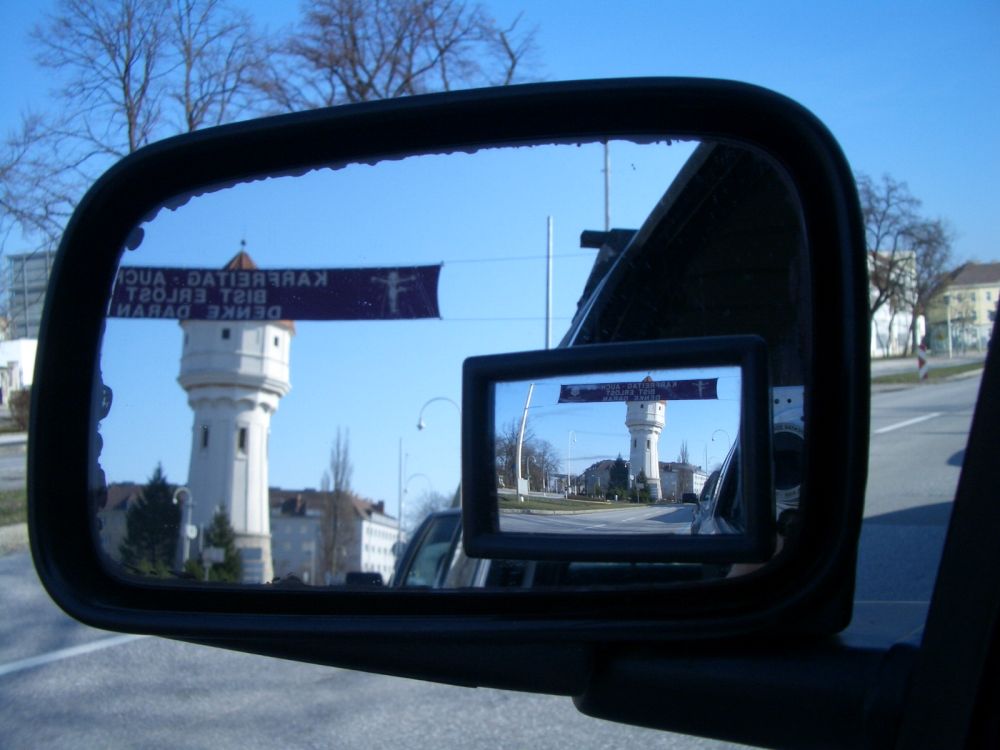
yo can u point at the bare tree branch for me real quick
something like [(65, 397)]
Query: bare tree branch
[(39, 184), (908, 255), (219, 57), (110, 55), (359, 50), (931, 241), (336, 527), (890, 214)]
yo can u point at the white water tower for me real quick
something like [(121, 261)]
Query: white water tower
[(235, 372), (645, 421)]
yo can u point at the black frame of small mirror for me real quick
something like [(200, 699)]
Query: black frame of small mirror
[(482, 535), (807, 589)]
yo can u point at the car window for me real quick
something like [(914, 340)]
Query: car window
[(433, 551)]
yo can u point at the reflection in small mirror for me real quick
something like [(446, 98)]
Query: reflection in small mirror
[(285, 355), (627, 455)]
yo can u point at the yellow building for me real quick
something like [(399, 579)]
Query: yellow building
[(965, 310)]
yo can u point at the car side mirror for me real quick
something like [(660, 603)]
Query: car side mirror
[(743, 223), (630, 395)]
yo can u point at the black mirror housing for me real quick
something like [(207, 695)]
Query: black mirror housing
[(481, 514), (807, 591)]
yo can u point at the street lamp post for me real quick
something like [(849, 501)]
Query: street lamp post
[(406, 491), (420, 418), (182, 496), (728, 441), (420, 426), (569, 460), (399, 495), (947, 306)]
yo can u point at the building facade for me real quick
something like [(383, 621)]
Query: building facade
[(892, 323), (17, 366), (960, 317), (362, 536), (27, 282), (679, 479)]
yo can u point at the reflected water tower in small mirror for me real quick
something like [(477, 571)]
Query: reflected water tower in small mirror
[(234, 372), (645, 421)]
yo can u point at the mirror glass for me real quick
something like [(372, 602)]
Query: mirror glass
[(589, 450), (283, 357)]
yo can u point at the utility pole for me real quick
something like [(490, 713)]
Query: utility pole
[(607, 187), (522, 484), (548, 289), (947, 304)]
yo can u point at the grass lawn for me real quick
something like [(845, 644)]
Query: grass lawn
[(13, 507), (935, 373)]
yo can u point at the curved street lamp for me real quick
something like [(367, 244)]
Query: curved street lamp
[(728, 441), (569, 459), (420, 418)]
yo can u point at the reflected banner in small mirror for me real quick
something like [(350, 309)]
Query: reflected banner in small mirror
[(285, 354)]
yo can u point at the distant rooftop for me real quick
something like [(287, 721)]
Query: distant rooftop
[(243, 262), (240, 262), (977, 273)]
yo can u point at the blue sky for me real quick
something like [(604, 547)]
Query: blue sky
[(909, 89), (597, 430), (484, 216)]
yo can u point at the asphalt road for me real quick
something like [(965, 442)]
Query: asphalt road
[(12, 465), (656, 519), (63, 685), (918, 438), (139, 692)]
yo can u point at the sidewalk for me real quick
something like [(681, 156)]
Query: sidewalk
[(13, 538), (897, 365)]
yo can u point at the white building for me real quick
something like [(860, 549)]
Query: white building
[(892, 322), (235, 373), (678, 479), (17, 366), (27, 282), (364, 540), (645, 421)]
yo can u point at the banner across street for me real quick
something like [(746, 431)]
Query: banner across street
[(276, 294), (647, 390)]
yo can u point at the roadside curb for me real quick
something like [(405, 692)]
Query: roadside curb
[(889, 387), (968, 374), (13, 438), (13, 538)]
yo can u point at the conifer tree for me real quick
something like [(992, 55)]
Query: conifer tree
[(219, 534), (151, 528)]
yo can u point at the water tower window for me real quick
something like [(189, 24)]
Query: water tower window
[(242, 440), (276, 341), (204, 436), (225, 333)]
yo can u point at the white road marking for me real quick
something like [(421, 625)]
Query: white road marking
[(907, 423), (66, 653)]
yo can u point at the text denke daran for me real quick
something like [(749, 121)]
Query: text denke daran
[(210, 295)]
